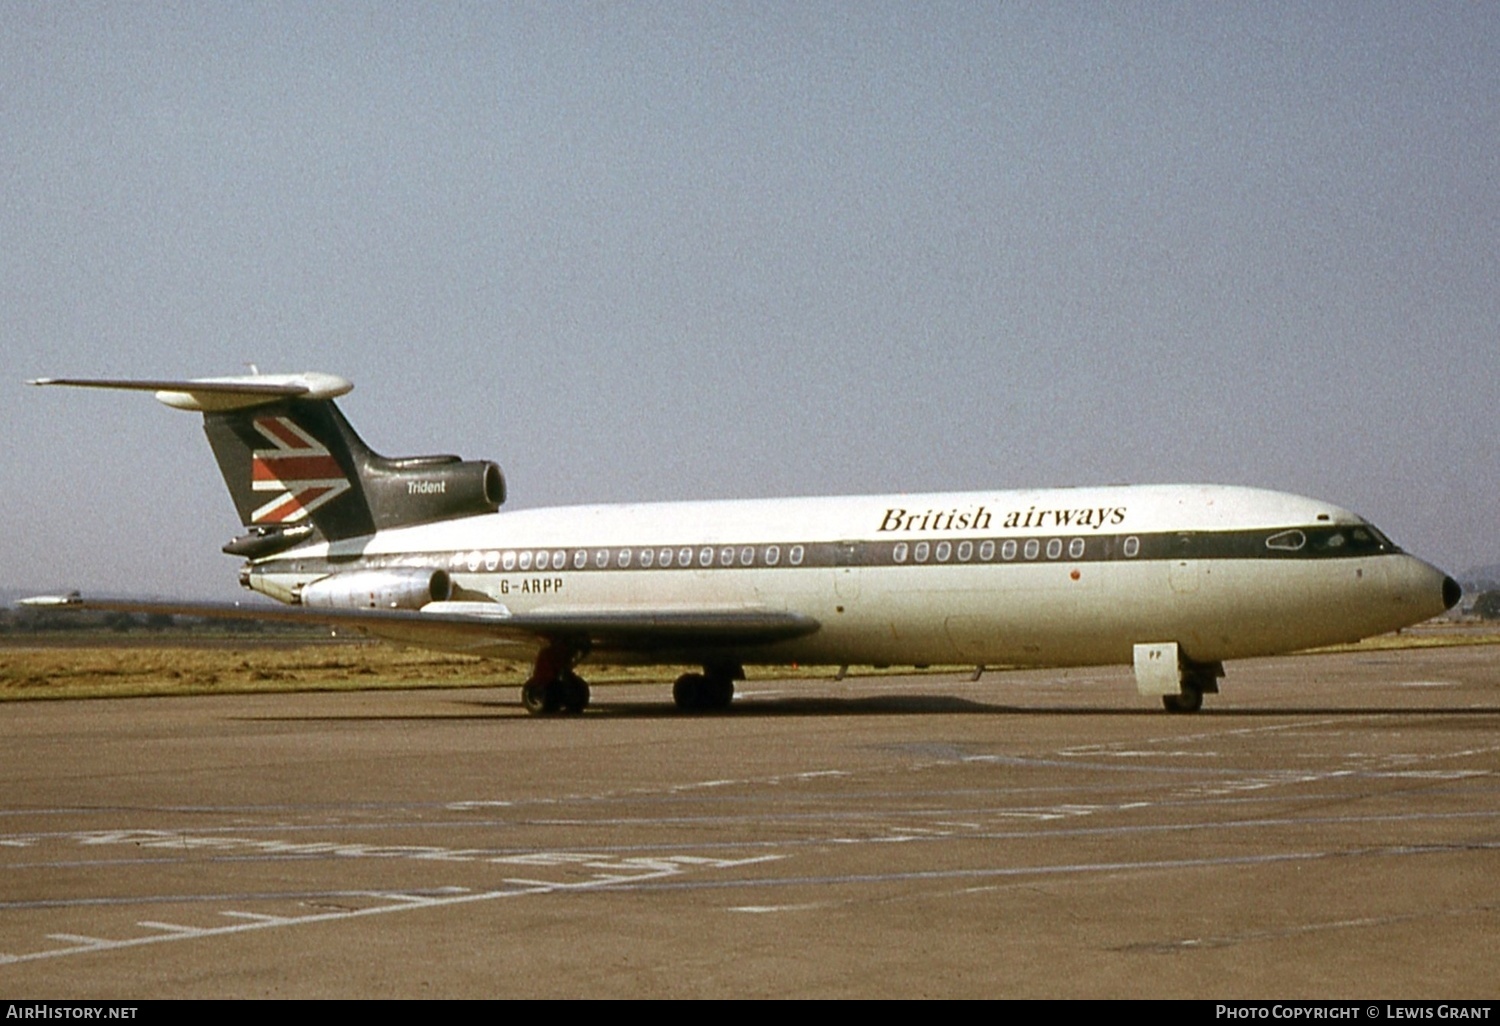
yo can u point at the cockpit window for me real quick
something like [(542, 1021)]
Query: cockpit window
[(1360, 539), (1286, 541), (1334, 540)]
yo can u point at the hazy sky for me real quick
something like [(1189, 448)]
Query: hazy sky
[(637, 251)]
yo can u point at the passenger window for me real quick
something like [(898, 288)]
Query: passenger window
[(747, 556), (524, 561), (795, 556), (965, 551), (684, 557), (601, 558), (705, 556), (1132, 547), (726, 557), (559, 559), (1032, 548), (647, 556), (1075, 548), (1008, 550), (987, 550), (1054, 548), (898, 553), (507, 561), (664, 557), (773, 555), (920, 552), (624, 558), (942, 552), (580, 559)]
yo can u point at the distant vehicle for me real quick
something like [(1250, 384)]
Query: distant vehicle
[(1170, 579)]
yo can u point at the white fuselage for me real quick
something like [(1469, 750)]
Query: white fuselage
[(1051, 577)]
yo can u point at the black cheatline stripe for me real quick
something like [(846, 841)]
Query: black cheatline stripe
[(1296, 543)]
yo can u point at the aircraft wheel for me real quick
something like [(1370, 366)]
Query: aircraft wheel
[(541, 698), (1190, 700), (688, 692), (718, 692), (575, 692)]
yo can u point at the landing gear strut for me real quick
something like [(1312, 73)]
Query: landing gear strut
[(554, 687), (711, 690)]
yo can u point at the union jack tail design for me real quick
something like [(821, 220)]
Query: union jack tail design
[(298, 468)]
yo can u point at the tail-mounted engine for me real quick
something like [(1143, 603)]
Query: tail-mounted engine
[(421, 489), (377, 589)]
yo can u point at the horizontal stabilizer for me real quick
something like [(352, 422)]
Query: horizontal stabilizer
[(206, 395)]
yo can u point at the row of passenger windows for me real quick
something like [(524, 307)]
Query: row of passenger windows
[(602, 559), (686, 557), (1031, 548), (1330, 541)]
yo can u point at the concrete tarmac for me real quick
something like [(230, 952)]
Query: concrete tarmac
[(1327, 827)]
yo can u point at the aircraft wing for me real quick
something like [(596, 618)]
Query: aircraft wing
[(482, 624)]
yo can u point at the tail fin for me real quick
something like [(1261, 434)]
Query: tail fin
[(295, 466)]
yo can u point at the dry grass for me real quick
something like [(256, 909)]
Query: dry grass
[(1435, 634), (100, 670), (94, 668)]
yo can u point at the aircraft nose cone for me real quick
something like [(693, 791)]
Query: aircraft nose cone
[(1451, 593)]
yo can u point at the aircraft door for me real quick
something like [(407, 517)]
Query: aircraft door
[(848, 557), (1184, 569)]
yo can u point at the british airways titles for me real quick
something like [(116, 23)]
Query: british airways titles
[(978, 518)]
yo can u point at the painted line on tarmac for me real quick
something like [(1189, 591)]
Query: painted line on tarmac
[(388, 902), (942, 824), (1068, 869)]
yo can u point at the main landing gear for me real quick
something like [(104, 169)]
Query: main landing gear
[(709, 691), (554, 687)]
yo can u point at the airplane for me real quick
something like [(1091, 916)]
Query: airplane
[(1171, 580)]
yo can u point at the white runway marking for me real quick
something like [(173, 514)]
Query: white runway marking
[(149, 924), (256, 917), (396, 903)]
